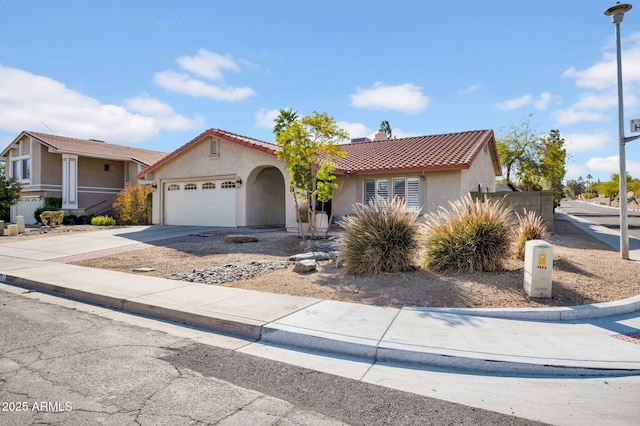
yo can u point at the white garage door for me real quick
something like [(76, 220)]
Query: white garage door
[(200, 203), (26, 206)]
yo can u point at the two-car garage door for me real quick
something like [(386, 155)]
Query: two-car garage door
[(200, 203)]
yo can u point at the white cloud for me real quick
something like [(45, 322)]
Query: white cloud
[(265, 119), (583, 142), (28, 100), (597, 101), (471, 89), (514, 103), (603, 74), (574, 171), (543, 101), (611, 165), (355, 130), (184, 83), (571, 115), (208, 64), (601, 81), (405, 97), (399, 133), (165, 116)]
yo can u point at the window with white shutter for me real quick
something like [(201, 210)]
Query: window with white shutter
[(369, 190), (413, 194), (382, 188)]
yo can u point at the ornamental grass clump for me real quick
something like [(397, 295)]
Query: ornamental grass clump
[(471, 235), (381, 237), (531, 227)]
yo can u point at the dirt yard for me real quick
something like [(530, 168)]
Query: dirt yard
[(585, 271)]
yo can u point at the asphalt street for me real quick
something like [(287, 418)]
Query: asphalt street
[(603, 216), (89, 367)]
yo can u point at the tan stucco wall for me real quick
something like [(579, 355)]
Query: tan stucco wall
[(91, 173), (481, 172), (51, 166), (233, 160)]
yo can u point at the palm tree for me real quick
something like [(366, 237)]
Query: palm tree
[(285, 117), (385, 128)]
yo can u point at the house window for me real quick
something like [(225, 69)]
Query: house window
[(409, 190), (382, 188), (214, 148), (369, 190), (228, 184), (26, 168), (190, 187), (107, 167), (373, 188), (15, 170), (173, 187), (209, 185)]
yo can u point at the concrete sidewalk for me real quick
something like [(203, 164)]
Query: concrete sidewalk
[(601, 339)]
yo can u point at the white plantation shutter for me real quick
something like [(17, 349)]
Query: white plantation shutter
[(382, 189), (369, 190), (413, 194), (399, 189)]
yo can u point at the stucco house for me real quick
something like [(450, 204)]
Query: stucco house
[(224, 179), (85, 174)]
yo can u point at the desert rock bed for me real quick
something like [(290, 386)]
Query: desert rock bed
[(586, 271)]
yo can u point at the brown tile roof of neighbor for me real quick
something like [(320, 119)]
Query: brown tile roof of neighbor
[(451, 151), (91, 147), (267, 147)]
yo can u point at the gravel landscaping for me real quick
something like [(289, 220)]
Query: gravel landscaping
[(586, 271)]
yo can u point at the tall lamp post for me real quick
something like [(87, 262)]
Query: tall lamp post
[(617, 14)]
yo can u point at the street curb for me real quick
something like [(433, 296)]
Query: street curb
[(240, 328), (565, 313), (270, 333)]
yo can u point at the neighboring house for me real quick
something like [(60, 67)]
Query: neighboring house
[(85, 174), (427, 171), (223, 179)]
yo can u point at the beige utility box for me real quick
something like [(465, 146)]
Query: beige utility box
[(538, 268)]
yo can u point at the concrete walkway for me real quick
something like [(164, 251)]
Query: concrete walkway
[(601, 339)]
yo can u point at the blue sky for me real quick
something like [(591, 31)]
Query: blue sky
[(155, 74)]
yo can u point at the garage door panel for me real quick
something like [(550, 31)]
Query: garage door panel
[(26, 207), (206, 203)]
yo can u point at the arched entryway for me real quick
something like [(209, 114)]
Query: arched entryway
[(266, 194)]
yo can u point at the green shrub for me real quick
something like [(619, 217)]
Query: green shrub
[(531, 227), (53, 202), (380, 237), (470, 236), (40, 210), (52, 217), (303, 211), (103, 221), (71, 219)]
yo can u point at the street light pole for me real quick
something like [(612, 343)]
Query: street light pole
[(617, 14)]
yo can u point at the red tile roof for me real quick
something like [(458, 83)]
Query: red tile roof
[(90, 147), (267, 147), (451, 151)]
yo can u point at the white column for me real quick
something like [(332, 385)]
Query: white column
[(69, 181)]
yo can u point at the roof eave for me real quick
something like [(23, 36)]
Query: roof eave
[(197, 140)]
